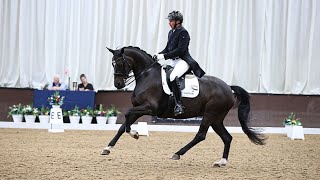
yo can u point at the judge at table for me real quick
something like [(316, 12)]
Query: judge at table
[(84, 86), (56, 84)]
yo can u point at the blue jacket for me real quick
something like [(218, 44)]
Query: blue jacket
[(178, 47)]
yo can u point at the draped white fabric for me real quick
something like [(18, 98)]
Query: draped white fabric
[(265, 46)]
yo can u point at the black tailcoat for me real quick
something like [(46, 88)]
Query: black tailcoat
[(177, 47)]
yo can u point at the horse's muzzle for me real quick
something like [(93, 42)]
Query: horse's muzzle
[(119, 85)]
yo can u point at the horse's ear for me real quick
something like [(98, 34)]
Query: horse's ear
[(112, 51), (122, 51)]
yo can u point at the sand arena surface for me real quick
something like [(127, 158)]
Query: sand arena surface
[(37, 154)]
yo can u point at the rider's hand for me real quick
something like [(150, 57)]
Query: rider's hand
[(160, 56)]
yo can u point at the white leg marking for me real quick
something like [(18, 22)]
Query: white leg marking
[(108, 148), (133, 133), (221, 163)]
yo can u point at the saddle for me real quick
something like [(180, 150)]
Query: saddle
[(168, 69), (189, 83)]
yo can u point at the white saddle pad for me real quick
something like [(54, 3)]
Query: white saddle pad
[(191, 89)]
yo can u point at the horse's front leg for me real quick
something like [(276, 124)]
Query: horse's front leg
[(131, 116)]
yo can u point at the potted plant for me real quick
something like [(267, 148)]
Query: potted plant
[(16, 113), (101, 115), (44, 115), (56, 100), (30, 113), (74, 115), (292, 125), (113, 112), (86, 115)]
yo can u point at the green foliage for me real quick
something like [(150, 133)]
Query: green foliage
[(100, 112), (29, 110), (87, 112), (74, 112), (292, 120), (55, 99), (44, 111), (113, 111), (15, 110)]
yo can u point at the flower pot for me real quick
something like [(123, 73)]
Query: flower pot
[(44, 119), (101, 120), (17, 118), (30, 118), (112, 120), (74, 119), (297, 133), (55, 106), (86, 119), (288, 129)]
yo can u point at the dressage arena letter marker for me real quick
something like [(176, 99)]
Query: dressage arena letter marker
[(56, 118), (142, 129)]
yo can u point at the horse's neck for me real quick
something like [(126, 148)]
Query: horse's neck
[(150, 72), (140, 62), (144, 67)]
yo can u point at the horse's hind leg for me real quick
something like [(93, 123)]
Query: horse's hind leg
[(200, 136), (219, 128)]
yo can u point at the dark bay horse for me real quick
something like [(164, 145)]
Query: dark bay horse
[(213, 102)]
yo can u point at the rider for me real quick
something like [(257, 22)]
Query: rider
[(177, 51)]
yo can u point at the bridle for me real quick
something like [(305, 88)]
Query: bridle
[(126, 74)]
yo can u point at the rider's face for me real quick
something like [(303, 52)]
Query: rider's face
[(172, 23)]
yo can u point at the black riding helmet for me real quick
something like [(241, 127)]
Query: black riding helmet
[(175, 15)]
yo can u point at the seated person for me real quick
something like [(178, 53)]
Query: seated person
[(57, 85), (84, 86)]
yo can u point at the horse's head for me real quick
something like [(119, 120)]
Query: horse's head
[(122, 67)]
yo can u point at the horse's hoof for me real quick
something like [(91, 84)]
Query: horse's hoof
[(221, 163), (105, 152), (218, 165), (134, 134), (175, 157)]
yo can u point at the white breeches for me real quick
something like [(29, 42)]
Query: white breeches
[(179, 68)]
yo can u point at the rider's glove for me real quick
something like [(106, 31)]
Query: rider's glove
[(159, 56)]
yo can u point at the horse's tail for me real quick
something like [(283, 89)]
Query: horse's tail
[(243, 101)]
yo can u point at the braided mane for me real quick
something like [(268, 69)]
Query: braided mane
[(137, 48)]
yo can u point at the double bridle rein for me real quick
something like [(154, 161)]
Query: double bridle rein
[(125, 73)]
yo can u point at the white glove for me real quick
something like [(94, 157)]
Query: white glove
[(160, 56)]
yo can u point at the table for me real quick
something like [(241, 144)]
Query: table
[(82, 99)]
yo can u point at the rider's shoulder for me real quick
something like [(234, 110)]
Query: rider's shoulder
[(183, 31)]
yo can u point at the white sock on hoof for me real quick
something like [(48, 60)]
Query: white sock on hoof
[(108, 148), (222, 162), (132, 133)]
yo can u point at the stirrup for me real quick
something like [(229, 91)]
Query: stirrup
[(178, 109)]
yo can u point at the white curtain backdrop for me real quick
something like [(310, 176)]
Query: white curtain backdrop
[(266, 46)]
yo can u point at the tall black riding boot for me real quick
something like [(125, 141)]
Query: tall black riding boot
[(178, 109)]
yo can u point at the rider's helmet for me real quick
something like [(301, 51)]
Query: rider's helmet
[(175, 15)]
